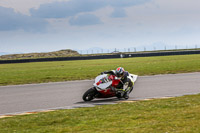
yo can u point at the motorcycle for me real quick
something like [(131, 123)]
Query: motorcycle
[(105, 87)]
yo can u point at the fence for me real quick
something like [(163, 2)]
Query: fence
[(138, 49)]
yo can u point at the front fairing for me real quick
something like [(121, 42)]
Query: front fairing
[(102, 81)]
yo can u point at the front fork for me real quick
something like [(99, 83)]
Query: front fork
[(97, 92)]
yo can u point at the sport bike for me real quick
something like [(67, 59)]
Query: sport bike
[(105, 87)]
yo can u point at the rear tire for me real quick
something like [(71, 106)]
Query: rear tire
[(89, 94)]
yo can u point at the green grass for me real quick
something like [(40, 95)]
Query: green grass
[(38, 72), (179, 114)]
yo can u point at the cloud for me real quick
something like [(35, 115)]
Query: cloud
[(84, 20), (66, 9), (23, 6), (74, 7), (10, 20), (125, 3), (78, 12), (118, 13)]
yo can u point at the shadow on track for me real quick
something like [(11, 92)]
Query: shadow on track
[(102, 101)]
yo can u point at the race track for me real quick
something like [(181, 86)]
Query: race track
[(64, 95)]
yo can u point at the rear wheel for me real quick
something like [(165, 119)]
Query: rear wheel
[(89, 94)]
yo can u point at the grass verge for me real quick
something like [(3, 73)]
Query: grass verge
[(38, 72), (180, 114)]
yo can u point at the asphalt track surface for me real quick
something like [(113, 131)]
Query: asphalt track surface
[(65, 95)]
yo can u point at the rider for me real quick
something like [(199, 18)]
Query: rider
[(126, 85)]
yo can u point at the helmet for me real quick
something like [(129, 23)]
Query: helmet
[(119, 72)]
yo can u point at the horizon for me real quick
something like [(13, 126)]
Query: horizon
[(98, 50)]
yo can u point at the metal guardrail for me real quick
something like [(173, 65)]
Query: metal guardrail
[(126, 55)]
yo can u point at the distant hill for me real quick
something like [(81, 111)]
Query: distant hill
[(61, 53)]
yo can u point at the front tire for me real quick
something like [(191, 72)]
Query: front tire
[(89, 94)]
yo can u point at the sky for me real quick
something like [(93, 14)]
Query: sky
[(50, 25)]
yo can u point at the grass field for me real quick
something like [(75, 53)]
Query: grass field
[(39, 72), (180, 115)]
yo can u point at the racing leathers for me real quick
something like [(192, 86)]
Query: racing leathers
[(125, 85)]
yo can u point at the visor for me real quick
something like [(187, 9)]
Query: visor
[(120, 75)]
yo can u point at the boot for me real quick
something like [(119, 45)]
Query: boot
[(118, 95), (126, 95)]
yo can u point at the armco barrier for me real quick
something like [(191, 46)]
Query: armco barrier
[(145, 54)]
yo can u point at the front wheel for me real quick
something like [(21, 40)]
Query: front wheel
[(89, 94)]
